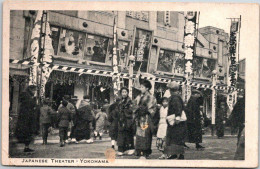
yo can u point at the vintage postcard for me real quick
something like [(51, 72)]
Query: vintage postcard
[(130, 84)]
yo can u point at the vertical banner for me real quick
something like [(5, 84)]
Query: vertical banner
[(46, 56), (35, 48), (233, 48), (115, 78), (189, 47)]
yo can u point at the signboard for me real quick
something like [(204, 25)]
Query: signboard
[(231, 100)]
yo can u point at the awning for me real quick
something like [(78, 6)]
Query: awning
[(67, 68)]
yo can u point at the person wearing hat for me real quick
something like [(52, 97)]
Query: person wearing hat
[(45, 119), (175, 134), (26, 124), (194, 124)]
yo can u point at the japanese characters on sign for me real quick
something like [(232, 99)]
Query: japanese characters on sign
[(189, 39), (232, 51), (140, 15)]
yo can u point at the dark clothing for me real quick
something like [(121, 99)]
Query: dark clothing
[(144, 136), (84, 118), (194, 117), (63, 133), (64, 117), (45, 128), (45, 116), (238, 115), (127, 141), (125, 137), (220, 118), (175, 136), (26, 124), (113, 120)]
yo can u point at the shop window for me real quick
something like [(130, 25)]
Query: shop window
[(123, 49), (203, 67), (170, 61), (142, 46), (71, 44), (96, 48), (165, 62)]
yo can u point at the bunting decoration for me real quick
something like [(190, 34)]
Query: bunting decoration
[(121, 75), (115, 59)]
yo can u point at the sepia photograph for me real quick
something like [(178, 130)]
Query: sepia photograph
[(141, 87)]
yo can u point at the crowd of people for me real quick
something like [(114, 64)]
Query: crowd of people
[(132, 123)]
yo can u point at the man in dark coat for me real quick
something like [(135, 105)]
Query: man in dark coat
[(113, 120), (175, 135), (194, 119), (221, 119), (64, 118), (26, 123), (83, 119), (238, 121)]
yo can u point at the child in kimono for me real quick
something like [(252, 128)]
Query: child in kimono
[(161, 133), (100, 123)]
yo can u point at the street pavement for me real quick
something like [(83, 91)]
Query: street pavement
[(216, 149)]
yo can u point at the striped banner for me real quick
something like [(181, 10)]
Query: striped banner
[(122, 75)]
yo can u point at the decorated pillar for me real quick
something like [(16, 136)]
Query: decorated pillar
[(189, 47), (213, 101), (47, 53), (35, 48)]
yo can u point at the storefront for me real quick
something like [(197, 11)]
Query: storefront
[(61, 83)]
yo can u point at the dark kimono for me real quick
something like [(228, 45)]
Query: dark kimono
[(26, 124), (194, 117), (146, 108), (125, 137), (220, 118), (83, 121), (113, 120), (175, 135)]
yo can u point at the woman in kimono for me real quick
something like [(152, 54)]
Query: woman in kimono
[(175, 135), (125, 137), (146, 107)]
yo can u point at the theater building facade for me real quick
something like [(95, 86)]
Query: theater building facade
[(84, 39)]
